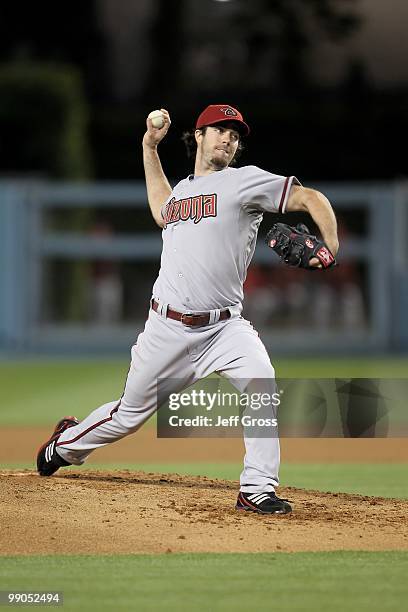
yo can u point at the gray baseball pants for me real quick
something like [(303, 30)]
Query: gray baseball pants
[(167, 349)]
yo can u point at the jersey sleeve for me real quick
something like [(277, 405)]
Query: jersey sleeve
[(263, 191)]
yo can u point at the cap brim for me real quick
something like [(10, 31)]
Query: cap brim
[(241, 126)]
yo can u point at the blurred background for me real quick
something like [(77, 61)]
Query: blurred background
[(324, 87)]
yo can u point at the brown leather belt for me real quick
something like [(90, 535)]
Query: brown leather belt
[(190, 319)]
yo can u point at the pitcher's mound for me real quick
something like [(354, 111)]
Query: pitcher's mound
[(135, 512)]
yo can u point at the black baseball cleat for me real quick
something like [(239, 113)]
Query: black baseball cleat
[(262, 503), (48, 460)]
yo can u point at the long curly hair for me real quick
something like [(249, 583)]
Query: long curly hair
[(191, 146)]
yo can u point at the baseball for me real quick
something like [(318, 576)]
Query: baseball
[(157, 118)]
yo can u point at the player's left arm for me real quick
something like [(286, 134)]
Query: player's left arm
[(303, 199)]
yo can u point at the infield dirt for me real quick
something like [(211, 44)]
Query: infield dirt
[(83, 511), (135, 512), (20, 444)]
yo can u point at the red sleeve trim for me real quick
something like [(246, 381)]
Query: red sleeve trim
[(282, 200)]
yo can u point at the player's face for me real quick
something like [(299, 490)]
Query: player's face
[(219, 145)]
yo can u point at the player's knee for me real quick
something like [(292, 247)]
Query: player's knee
[(132, 415)]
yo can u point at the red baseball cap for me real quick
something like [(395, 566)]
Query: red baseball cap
[(215, 113)]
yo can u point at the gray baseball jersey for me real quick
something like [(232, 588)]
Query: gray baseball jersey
[(210, 235), (211, 226)]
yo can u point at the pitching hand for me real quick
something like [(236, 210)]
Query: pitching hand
[(154, 135)]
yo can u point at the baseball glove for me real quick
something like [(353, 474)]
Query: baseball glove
[(296, 246)]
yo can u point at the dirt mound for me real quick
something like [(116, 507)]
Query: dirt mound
[(136, 512)]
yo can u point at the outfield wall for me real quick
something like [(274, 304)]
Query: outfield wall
[(81, 260)]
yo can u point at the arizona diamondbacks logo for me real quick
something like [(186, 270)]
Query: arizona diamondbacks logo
[(196, 208), (229, 112)]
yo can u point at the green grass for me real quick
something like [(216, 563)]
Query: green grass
[(380, 479), (38, 392), (334, 581), (375, 479)]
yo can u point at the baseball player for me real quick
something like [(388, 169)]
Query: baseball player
[(209, 224)]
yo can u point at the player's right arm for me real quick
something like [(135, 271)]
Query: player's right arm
[(157, 185)]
